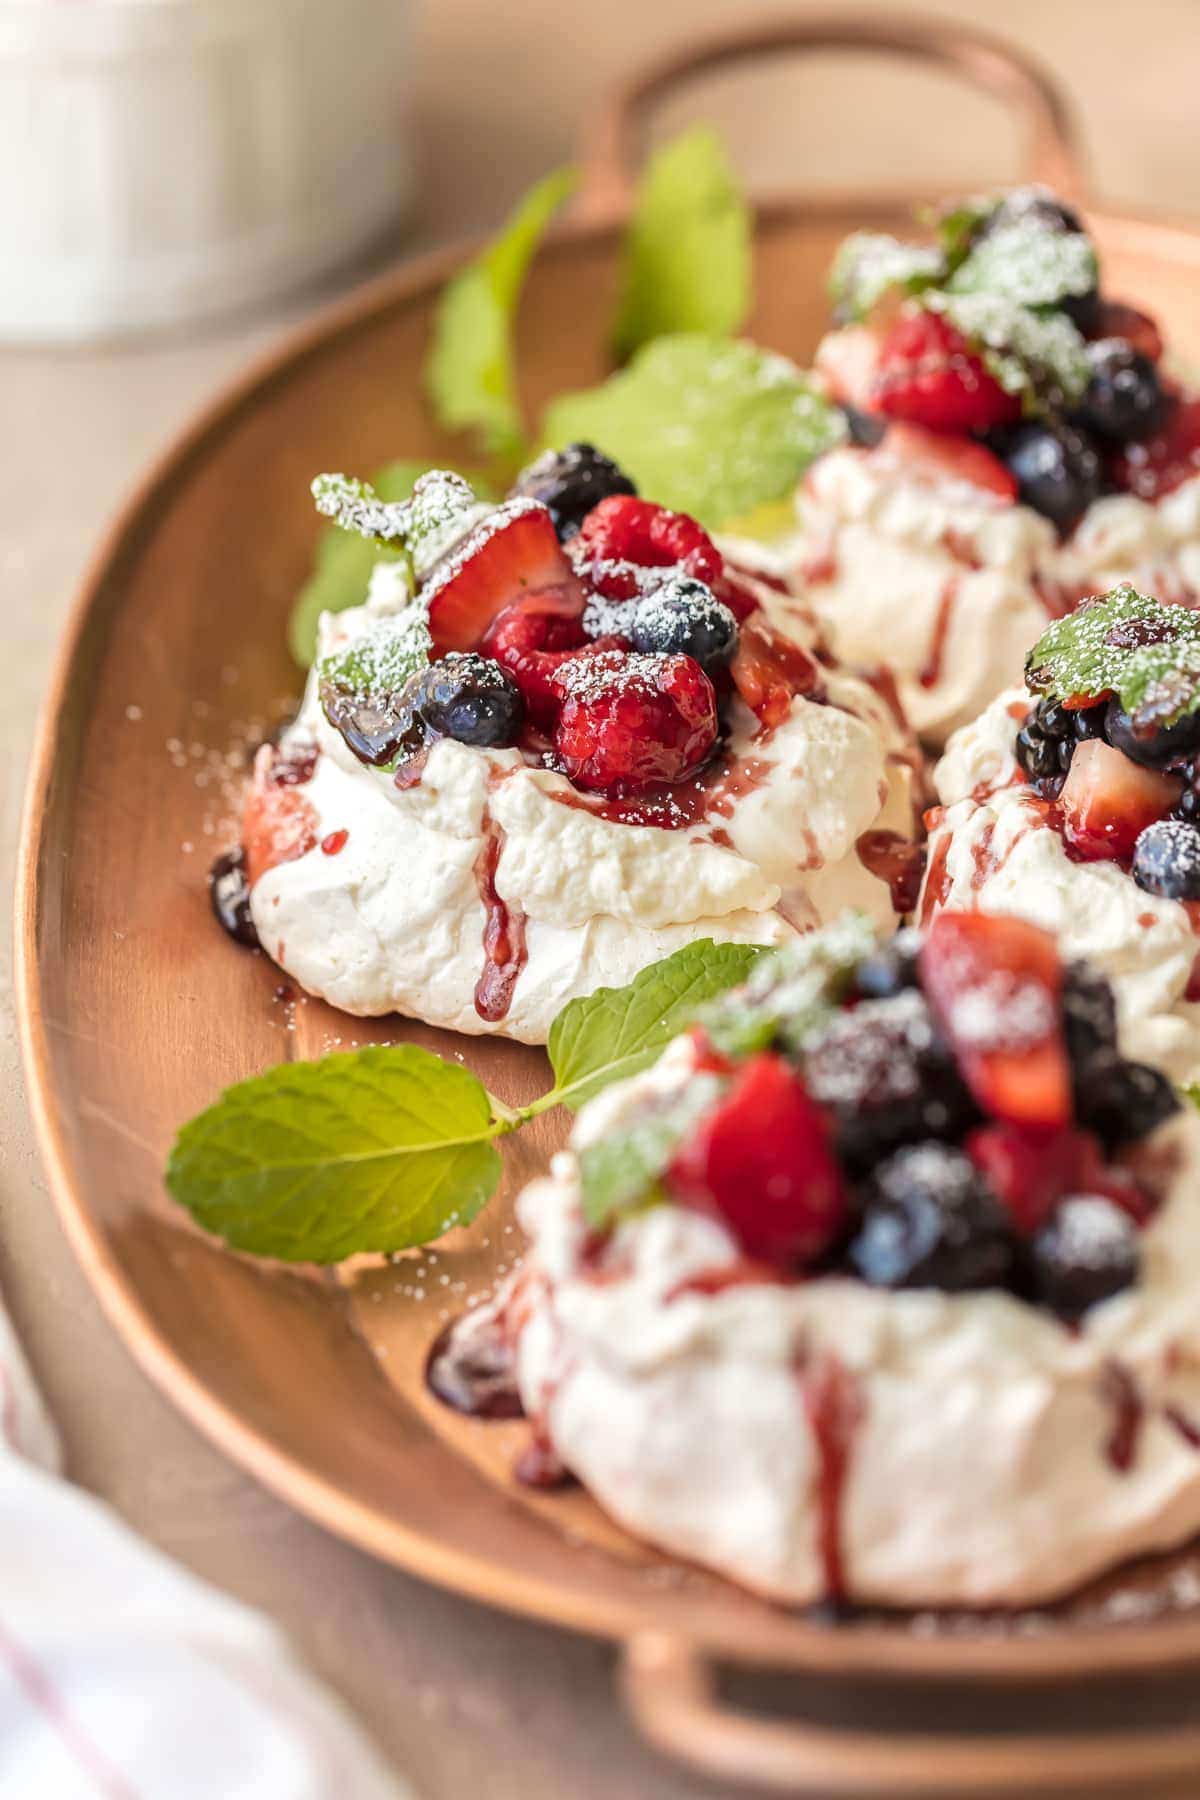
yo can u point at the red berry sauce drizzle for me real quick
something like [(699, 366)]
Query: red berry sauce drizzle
[(1128, 1410), (897, 861), (504, 951), (833, 1405)]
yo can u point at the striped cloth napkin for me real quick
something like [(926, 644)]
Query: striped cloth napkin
[(122, 1677)]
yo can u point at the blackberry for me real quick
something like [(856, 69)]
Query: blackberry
[(1046, 741), (570, 482), (1158, 746), (1122, 1101), (1085, 1252), (683, 615), (890, 968), (883, 1073), (1188, 805), (1032, 202), (930, 1220), (469, 698), (1089, 1019), (1124, 397), (1166, 860), (1057, 469), (229, 891)]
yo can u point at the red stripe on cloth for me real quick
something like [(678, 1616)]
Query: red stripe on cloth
[(40, 1691)]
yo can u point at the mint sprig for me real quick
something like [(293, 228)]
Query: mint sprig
[(870, 264), (1123, 643), (686, 260), (1028, 263), (1040, 356), (709, 426), (620, 1172), (381, 661), (312, 1162), (342, 566), (470, 371), (789, 994), (381, 1149)]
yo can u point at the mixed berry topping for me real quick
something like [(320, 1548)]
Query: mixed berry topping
[(949, 1111), (1112, 741), (570, 482), (998, 332), (598, 633)]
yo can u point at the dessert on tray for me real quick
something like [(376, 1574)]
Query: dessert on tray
[(563, 736), (881, 1285), (1073, 802), (1020, 442)]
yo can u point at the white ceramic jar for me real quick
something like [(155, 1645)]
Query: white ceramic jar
[(166, 160)]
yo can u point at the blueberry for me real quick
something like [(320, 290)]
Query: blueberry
[(1156, 747), (1124, 397), (1058, 471), (865, 428), (1123, 1101), (930, 1220), (890, 969), (377, 728), (684, 615), (1188, 804), (1085, 1252), (570, 482), (469, 698), (229, 892), (884, 1074), (1166, 860)]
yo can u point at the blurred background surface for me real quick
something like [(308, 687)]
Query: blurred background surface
[(468, 1702)]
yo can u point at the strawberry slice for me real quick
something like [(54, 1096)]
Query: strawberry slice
[(1160, 464), (770, 670), (937, 456), (512, 553), (1117, 320), (995, 984), (1107, 801), (849, 361), (1031, 1171), (763, 1162), (929, 374)]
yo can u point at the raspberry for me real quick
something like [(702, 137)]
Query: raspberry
[(929, 374), (1163, 462), (532, 639), (623, 537), (630, 721), (762, 1161)]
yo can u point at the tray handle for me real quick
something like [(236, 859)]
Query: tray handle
[(669, 1688), (992, 64)]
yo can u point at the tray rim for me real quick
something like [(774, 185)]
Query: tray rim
[(1170, 1643)]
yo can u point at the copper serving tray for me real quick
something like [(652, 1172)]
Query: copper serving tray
[(136, 1012)]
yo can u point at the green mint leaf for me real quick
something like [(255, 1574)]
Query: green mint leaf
[(381, 661), (355, 506), (469, 372), (687, 256), (957, 225), (315, 1161), (619, 1173), (1028, 263), (1127, 644), (790, 991), (708, 426), (1040, 356), (870, 264), (342, 567), (344, 560), (615, 1032)]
